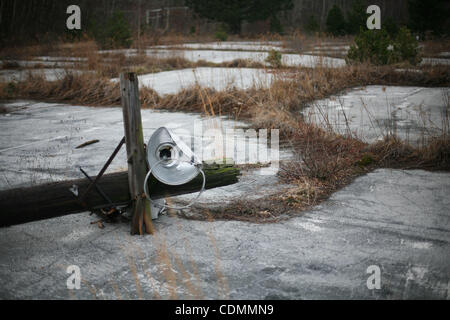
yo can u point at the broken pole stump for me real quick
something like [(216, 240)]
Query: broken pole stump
[(141, 221), (51, 200)]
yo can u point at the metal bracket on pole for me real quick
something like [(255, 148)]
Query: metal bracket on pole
[(102, 171)]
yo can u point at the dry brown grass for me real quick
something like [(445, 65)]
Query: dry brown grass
[(433, 48), (325, 161), (395, 153), (80, 48), (10, 65), (273, 107), (319, 43), (82, 89), (113, 64), (110, 64), (158, 37), (3, 109)]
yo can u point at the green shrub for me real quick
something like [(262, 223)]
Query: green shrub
[(118, 30), (72, 35), (336, 24), (377, 47), (391, 26), (372, 46), (115, 33), (221, 34), (406, 47), (366, 160), (274, 59)]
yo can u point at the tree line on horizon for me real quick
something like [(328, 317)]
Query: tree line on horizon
[(44, 20), (424, 16)]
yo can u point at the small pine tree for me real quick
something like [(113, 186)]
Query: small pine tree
[(336, 24), (377, 47), (406, 47), (357, 17), (118, 34), (221, 33), (372, 46), (274, 59)]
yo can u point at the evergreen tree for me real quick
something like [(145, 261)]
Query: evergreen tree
[(357, 17), (336, 24), (428, 15), (378, 47), (234, 12), (116, 33)]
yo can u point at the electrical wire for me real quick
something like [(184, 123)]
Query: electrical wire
[(164, 205)]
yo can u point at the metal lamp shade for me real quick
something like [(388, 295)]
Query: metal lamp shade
[(172, 162)]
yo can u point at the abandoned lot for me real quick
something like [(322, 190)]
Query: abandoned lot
[(363, 179)]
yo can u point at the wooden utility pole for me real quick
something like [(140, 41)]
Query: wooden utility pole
[(51, 200), (137, 165), (22, 205)]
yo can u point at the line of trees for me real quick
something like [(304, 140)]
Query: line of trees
[(42, 20), (45, 21), (430, 15), (424, 16), (233, 12), (35, 19)]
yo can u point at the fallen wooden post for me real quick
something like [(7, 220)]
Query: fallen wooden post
[(21, 205)]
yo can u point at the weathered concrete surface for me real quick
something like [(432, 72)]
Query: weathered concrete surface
[(38, 140), (414, 114), (172, 82), (221, 56), (397, 220)]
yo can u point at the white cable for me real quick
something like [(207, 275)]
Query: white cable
[(164, 205)]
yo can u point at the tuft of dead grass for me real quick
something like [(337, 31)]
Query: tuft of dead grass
[(3, 109), (10, 65), (433, 48), (394, 153), (82, 89), (275, 107)]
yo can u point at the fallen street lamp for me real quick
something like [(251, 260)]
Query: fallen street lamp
[(172, 162)]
